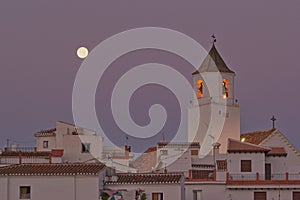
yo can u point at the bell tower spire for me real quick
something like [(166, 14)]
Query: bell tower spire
[(218, 97)]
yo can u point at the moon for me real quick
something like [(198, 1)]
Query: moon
[(82, 52)]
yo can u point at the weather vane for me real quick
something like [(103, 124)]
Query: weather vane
[(214, 38)]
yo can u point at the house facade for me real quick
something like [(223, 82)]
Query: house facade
[(51, 181), (156, 186)]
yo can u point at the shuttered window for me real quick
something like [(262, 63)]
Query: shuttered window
[(260, 196), (296, 195), (245, 165), (157, 196), (194, 152)]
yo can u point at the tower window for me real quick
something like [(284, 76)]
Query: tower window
[(45, 144), (85, 147), (225, 87), (199, 88)]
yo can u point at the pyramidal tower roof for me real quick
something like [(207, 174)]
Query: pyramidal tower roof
[(213, 62)]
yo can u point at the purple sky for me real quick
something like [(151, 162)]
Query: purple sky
[(259, 40)]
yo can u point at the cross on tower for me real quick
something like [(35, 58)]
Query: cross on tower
[(273, 119)]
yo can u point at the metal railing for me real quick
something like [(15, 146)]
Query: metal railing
[(22, 149), (294, 177), (263, 177), (242, 177)]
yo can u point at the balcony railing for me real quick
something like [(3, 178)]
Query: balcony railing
[(256, 178), (22, 149), (201, 175)]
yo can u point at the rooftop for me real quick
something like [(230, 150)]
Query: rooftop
[(236, 146), (147, 178), (256, 137), (213, 63), (45, 133), (277, 151), (178, 144), (62, 169)]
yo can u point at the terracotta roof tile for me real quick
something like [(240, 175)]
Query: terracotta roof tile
[(147, 178), (25, 153), (178, 144), (45, 133), (52, 169), (53, 152), (236, 146), (151, 149), (277, 151), (256, 137), (147, 161)]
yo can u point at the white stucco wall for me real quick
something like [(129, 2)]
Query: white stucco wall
[(170, 191), (272, 194), (51, 187), (292, 159), (278, 164), (257, 162), (51, 143), (209, 191), (213, 104)]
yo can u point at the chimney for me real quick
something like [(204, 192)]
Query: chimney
[(216, 149), (127, 150)]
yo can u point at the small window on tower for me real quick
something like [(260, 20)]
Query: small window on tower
[(199, 88), (85, 147), (45, 144), (225, 84)]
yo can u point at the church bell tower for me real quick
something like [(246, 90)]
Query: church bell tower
[(214, 88)]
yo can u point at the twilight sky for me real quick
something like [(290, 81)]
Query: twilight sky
[(259, 40)]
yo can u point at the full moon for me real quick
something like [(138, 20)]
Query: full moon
[(82, 52)]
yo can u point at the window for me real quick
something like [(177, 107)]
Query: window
[(245, 165), (164, 152), (199, 88), (194, 152), (296, 195), (157, 196), (45, 144), (225, 90), (85, 148), (24, 192), (260, 196), (197, 194)]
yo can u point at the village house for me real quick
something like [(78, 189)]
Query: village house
[(261, 165), (156, 186), (51, 181)]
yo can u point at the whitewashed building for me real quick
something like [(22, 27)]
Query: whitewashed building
[(78, 144), (51, 181), (155, 186)]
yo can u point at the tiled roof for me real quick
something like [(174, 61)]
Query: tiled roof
[(178, 144), (208, 166), (151, 149), (236, 146), (277, 151), (256, 137), (65, 169), (45, 133), (147, 161), (24, 153), (147, 178), (53, 152), (213, 63)]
